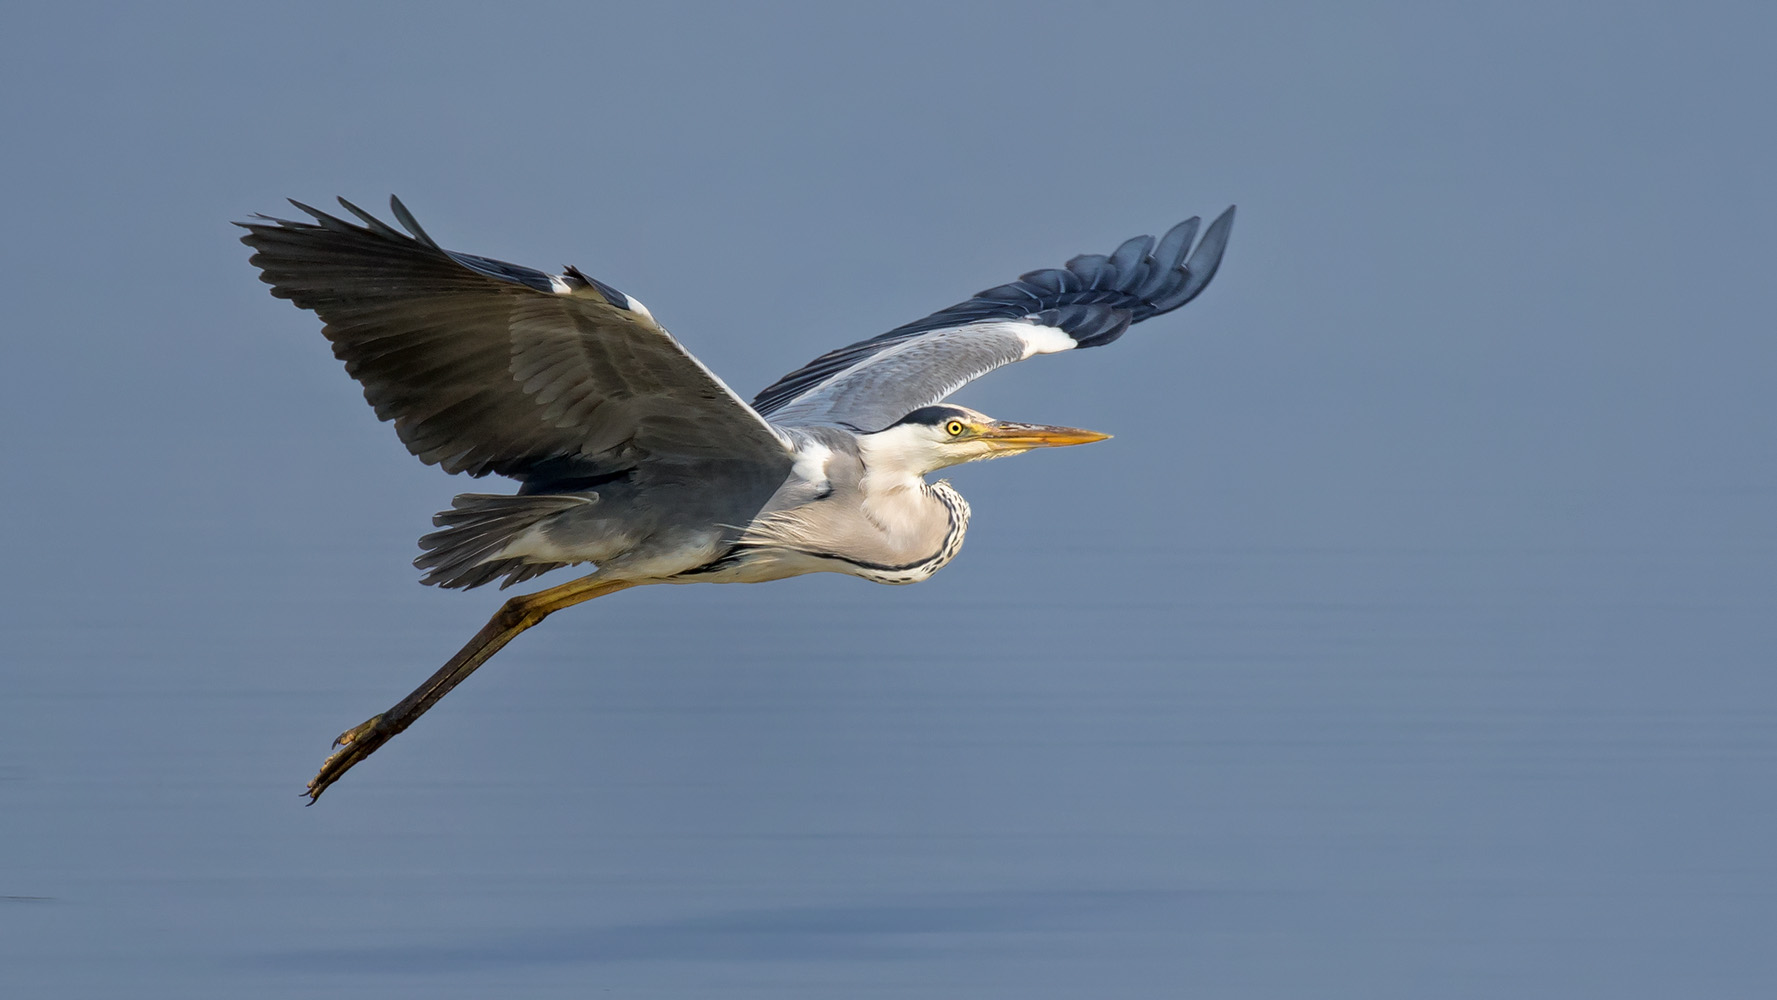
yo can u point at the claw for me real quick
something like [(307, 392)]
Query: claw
[(353, 745), (355, 733)]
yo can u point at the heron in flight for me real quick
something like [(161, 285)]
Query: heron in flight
[(635, 459)]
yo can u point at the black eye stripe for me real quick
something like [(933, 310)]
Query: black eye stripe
[(934, 416)]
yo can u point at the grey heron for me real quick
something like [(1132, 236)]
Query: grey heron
[(633, 457)]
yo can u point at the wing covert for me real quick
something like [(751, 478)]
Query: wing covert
[(1090, 302), (486, 366)]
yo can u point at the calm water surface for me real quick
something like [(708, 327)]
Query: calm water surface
[(1416, 636), (1361, 772)]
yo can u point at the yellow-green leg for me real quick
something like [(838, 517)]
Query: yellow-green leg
[(514, 617)]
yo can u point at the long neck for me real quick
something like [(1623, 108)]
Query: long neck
[(870, 519), (958, 511), (922, 524)]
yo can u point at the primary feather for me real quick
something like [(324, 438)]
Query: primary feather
[(1089, 303)]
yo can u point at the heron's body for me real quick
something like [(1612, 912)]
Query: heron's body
[(716, 522), (638, 463)]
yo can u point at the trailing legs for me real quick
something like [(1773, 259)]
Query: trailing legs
[(514, 616)]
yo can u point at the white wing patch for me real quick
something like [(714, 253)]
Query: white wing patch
[(558, 284), (1043, 339), (811, 463)]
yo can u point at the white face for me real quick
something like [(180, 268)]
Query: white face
[(937, 437), (919, 448)]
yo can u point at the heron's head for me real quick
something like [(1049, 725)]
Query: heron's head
[(935, 437)]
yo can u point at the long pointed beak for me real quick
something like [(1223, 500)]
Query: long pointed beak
[(1023, 437)]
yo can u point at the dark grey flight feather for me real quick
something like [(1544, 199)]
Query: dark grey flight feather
[(486, 366), (477, 527), (1093, 300)]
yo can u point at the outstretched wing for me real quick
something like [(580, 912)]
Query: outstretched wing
[(875, 382), (487, 367)]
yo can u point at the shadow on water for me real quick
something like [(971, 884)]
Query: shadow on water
[(925, 926)]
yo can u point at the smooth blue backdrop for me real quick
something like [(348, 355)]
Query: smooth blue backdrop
[(1413, 637)]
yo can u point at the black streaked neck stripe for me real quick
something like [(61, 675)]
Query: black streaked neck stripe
[(956, 514)]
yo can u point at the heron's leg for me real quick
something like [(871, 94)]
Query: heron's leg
[(514, 617)]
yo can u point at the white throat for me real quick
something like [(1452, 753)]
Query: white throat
[(904, 451), (897, 498)]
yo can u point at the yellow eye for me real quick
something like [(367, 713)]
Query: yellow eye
[(954, 428)]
